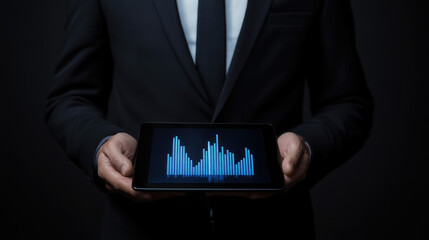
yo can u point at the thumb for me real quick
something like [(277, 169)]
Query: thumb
[(120, 149)]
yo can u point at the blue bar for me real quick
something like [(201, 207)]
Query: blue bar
[(175, 156), (225, 163), (229, 165), (204, 164), (180, 159), (207, 162), (208, 158), (183, 159), (240, 168), (252, 170), (168, 164), (216, 149), (233, 160), (245, 161), (179, 163), (220, 163), (245, 166), (234, 168), (199, 169), (216, 160), (250, 164), (228, 161), (173, 162), (190, 164), (212, 160), (219, 156), (182, 163), (172, 156), (185, 165), (232, 163)]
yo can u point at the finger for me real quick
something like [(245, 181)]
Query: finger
[(109, 187), (289, 182), (291, 160), (301, 169), (118, 160), (117, 182), (299, 173)]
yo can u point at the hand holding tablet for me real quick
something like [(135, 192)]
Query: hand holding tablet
[(207, 157)]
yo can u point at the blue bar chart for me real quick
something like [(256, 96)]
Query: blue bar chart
[(216, 161)]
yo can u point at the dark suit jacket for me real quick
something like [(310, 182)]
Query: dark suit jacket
[(127, 62)]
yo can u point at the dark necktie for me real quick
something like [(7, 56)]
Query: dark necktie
[(211, 45)]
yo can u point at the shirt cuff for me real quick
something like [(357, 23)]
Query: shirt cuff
[(98, 182), (308, 147)]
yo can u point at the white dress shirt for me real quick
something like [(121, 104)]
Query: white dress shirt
[(235, 10)]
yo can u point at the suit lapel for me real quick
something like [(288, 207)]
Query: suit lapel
[(255, 16), (167, 12)]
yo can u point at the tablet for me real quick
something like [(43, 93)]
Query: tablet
[(207, 157)]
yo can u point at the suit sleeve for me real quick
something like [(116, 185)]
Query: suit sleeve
[(341, 103), (77, 103)]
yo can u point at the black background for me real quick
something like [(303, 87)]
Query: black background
[(379, 194)]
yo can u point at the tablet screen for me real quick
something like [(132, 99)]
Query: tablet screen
[(207, 156)]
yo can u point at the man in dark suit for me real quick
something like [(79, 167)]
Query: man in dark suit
[(243, 61)]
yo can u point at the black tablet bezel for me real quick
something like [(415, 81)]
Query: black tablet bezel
[(142, 160)]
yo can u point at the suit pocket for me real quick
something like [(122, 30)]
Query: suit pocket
[(289, 19)]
